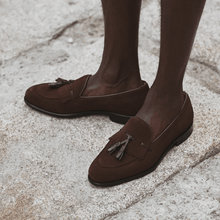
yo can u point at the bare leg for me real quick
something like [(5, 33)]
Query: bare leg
[(119, 69), (179, 22)]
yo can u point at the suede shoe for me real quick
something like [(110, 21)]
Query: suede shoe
[(64, 99), (131, 153)]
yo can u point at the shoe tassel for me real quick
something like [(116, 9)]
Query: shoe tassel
[(60, 82), (123, 145)]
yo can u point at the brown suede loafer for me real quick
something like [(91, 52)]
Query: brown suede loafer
[(131, 153), (64, 99)]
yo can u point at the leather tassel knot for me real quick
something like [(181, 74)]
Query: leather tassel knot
[(123, 146), (60, 82)]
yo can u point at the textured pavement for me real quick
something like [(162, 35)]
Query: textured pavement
[(44, 161)]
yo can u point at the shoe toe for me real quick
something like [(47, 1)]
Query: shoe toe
[(97, 173), (41, 96), (31, 96), (101, 175), (110, 176), (107, 169), (126, 160)]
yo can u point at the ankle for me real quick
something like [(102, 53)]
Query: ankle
[(118, 78), (99, 85), (160, 108), (170, 91), (119, 68)]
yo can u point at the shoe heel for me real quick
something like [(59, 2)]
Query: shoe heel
[(121, 119), (185, 136)]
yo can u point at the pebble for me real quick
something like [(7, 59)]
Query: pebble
[(70, 40)]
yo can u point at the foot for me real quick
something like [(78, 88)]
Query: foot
[(160, 108), (105, 85), (132, 152), (64, 99)]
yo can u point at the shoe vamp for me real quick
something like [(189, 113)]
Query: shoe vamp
[(108, 169), (135, 149), (47, 92), (108, 160)]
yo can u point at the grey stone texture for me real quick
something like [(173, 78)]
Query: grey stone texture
[(192, 194), (27, 23), (44, 161)]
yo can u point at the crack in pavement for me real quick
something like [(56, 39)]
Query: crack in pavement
[(61, 30), (214, 68)]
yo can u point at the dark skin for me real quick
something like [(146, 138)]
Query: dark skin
[(119, 69), (179, 22)]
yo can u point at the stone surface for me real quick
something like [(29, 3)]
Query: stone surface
[(44, 161), (25, 24), (192, 194)]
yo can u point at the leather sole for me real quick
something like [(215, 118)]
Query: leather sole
[(118, 118), (183, 137)]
